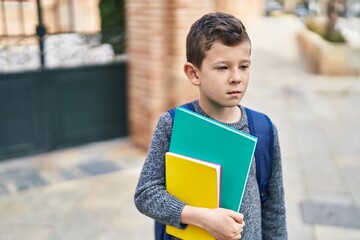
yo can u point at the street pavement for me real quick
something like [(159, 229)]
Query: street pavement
[(87, 192)]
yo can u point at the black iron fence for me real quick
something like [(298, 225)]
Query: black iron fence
[(59, 87), (33, 36)]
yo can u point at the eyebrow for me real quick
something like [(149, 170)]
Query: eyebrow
[(225, 62)]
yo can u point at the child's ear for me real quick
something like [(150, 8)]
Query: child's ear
[(192, 73)]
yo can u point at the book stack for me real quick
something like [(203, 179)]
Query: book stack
[(207, 165)]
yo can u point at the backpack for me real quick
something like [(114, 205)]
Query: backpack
[(261, 127)]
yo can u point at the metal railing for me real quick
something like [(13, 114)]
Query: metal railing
[(43, 44)]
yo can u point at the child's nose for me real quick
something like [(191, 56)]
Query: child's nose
[(235, 76)]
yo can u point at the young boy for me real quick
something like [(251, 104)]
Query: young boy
[(218, 53)]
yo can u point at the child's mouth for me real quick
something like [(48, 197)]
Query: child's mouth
[(234, 92)]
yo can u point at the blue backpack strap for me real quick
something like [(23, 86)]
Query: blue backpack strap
[(261, 127), (160, 233), (188, 106)]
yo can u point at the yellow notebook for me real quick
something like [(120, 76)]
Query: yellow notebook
[(195, 182)]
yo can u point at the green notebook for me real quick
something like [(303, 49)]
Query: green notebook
[(196, 136)]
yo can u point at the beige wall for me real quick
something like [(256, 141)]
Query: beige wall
[(56, 16), (246, 10), (13, 15), (86, 15), (156, 32)]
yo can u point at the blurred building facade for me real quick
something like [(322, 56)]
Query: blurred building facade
[(155, 32)]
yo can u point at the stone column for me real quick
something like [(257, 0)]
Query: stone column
[(146, 51), (184, 13)]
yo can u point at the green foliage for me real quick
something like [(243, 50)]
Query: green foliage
[(335, 36), (112, 13), (313, 26)]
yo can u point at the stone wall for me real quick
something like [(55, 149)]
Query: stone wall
[(156, 32)]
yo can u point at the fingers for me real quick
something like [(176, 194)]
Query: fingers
[(239, 229), (232, 225), (238, 217), (237, 237)]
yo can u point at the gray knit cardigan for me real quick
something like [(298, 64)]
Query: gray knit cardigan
[(262, 220)]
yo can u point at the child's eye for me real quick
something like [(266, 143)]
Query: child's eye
[(244, 67), (221, 68)]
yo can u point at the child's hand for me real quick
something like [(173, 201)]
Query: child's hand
[(223, 224)]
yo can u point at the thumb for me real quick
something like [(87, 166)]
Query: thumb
[(238, 217)]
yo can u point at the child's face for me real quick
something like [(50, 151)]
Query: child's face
[(224, 74)]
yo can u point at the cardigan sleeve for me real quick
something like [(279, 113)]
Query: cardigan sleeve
[(151, 197), (273, 210)]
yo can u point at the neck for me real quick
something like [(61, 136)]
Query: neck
[(222, 114)]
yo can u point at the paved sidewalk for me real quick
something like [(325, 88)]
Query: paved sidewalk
[(318, 122), (87, 192)]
